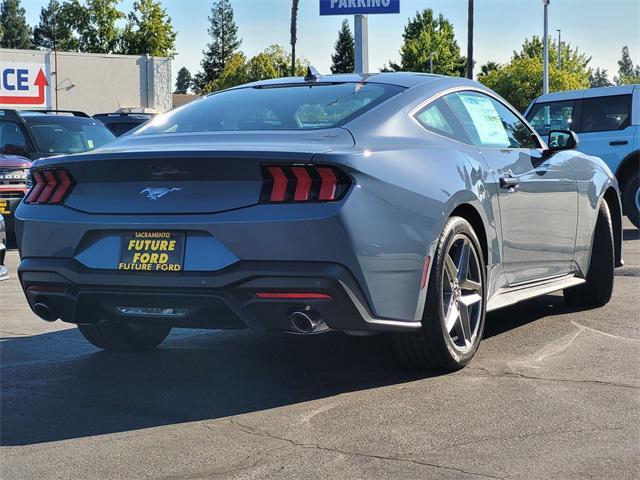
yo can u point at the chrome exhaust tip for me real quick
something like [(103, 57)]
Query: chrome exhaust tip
[(307, 322), (45, 311)]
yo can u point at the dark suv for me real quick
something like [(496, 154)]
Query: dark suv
[(122, 122), (43, 133)]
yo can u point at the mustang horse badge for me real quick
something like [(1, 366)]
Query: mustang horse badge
[(155, 193)]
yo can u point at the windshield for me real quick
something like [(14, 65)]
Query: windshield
[(291, 107), (69, 138)]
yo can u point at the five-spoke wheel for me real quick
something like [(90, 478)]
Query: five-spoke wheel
[(453, 319)]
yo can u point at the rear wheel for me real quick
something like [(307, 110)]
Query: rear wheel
[(597, 290), (631, 199), (453, 319), (123, 336)]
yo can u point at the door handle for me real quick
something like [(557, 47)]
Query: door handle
[(618, 142), (509, 182)]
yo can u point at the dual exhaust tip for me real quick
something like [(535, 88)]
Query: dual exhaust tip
[(307, 321)]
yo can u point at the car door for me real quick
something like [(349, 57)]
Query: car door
[(537, 194), (605, 128)]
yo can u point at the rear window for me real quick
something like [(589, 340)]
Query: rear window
[(292, 107), (606, 113), (69, 138)]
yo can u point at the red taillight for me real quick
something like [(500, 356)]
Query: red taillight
[(49, 186), (303, 183)]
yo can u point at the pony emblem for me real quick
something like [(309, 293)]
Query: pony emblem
[(154, 193)]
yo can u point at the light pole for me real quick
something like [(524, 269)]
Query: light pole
[(545, 54), (559, 48), (361, 30), (470, 40)]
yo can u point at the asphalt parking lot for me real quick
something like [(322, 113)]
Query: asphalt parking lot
[(553, 393)]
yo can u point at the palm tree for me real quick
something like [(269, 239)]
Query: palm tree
[(487, 68), (294, 34)]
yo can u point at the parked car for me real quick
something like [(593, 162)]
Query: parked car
[(607, 121), (4, 274), (14, 172), (120, 123), (44, 133), (394, 202)]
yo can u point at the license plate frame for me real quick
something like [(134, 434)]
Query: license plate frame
[(152, 251)]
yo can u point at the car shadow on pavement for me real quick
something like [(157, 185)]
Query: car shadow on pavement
[(631, 234), (55, 386)]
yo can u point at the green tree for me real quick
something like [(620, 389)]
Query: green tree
[(487, 68), (627, 74), (342, 61), (183, 81), (96, 23), (272, 62), (520, 81), (149, 30), (55, 29), (16, 32), (425, 35), (225, 43), (599, 78)]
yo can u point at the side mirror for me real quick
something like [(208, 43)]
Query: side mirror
[(562, 140)]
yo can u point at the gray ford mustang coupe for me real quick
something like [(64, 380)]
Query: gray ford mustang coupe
[(394, 202)]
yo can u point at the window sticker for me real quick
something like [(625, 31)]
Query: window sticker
[(486, 120)]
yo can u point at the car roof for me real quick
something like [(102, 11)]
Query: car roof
[(33, 116), (590, 92), (402, 79)]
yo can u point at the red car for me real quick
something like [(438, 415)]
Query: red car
[(14, 171)]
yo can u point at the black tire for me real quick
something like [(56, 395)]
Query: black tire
[(630, 198), (598, 288), (432, 348), (124, 337)]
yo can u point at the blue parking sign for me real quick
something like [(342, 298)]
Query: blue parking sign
[(358, 7)]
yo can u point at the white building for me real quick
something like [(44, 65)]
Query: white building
[(92, 83)]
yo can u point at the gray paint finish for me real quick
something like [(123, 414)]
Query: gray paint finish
[(407, 181)]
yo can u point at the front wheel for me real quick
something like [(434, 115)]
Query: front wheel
[(597, 289), (124, 336), (454, 314)]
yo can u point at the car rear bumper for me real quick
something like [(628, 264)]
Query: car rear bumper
[(224, 299)]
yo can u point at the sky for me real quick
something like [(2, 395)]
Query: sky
[(598, 27)]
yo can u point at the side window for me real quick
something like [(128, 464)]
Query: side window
[(600, 114), (438, 118), (12, 140), (552, 116), (489, 123)]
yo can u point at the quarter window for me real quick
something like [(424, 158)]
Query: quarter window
[(438, 118), (600, 114), (489, 123)]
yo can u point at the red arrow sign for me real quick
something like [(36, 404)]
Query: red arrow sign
[(41, 83)]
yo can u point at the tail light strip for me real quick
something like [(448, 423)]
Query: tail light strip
[(50, 186), (308, 183)]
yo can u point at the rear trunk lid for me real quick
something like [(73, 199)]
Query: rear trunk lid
[(186, 173)]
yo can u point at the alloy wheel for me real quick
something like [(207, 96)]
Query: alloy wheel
[(462, 293)]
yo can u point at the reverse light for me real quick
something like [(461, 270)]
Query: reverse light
[(50, 186), (302, 183)]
